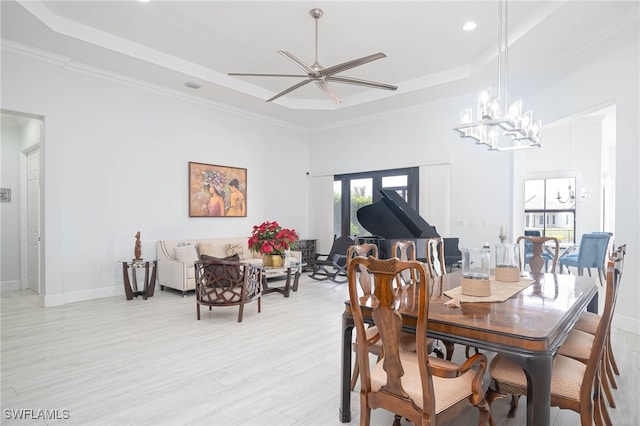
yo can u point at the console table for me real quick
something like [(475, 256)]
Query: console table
[(149, 283), (308, 249)]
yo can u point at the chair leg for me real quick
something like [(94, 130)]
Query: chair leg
[(605, 387), (605, 413), (514, 406), (365, 412), (490, 396), (438, 351), (609, 372), (240, 312), (319, 270), (600, 413), (612, 359), (198, 311), (449, 346), (467, 349)]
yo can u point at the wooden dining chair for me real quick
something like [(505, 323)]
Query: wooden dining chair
[(406, 250), (414, 385), (364, 280), (537, 254), (435, 257), (437, 268), (575, 385), (580, 340)]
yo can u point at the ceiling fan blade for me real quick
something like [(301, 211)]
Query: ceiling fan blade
[(324, 86), (266, 75), (298, 62), (352, 64), (358, 82), (290, 89)]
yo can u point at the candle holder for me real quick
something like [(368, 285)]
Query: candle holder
[(502, 238), (476, 272), (507, 262)]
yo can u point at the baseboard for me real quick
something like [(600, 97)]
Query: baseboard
[(80, 295), (10, 285), (625, 323)]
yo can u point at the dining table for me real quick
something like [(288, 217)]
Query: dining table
[(527, 328)]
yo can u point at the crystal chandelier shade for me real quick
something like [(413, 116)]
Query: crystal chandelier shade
[(499, 127)]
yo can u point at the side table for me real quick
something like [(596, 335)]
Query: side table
[(149, 284)]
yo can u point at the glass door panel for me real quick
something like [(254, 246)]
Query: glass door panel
[(361, 195)]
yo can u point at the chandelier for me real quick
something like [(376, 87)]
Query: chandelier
[(499, 127), (571, 196)]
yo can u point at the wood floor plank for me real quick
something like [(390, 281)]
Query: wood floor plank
[(150, 362)]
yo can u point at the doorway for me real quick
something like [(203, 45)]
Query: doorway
[(21, 230)]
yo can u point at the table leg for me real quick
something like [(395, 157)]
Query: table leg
[(152, 284), (127, 284), (287, 285), (345, 383), (146, 281), (296, 278), (134, 278), (538, 369)]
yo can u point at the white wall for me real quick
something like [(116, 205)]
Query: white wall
[(10, 211), (115, 160)]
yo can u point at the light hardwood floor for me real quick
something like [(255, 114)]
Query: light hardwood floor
[(117, 362)]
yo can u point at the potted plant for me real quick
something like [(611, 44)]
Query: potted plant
[(271, 241)]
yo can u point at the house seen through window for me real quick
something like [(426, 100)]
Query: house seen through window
[(550, 208)]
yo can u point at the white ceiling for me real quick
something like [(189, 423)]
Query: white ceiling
[(429, 57)]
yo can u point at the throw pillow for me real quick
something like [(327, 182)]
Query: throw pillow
[(220, 270), (186, 253), (235, 249), (205, 248)]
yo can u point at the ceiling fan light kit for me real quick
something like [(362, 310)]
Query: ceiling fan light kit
[(499, 127), (322, 76)]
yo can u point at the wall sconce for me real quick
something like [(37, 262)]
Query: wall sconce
[(584, 194)]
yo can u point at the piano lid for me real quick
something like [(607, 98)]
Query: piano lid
[(392, 217)]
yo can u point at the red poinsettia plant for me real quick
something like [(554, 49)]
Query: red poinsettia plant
[(271, 238)]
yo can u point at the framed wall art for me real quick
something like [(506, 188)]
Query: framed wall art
[(217, 191)]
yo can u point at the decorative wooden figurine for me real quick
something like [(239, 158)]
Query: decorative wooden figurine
[(137, 251)]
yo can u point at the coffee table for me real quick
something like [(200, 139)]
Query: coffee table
[(291, 269)]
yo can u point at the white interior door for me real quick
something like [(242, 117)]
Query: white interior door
[(33, 220)]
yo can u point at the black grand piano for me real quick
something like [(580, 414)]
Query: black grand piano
[(392, 219)]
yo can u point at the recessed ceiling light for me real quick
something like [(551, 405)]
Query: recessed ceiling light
[(469, 26), (192, 85)]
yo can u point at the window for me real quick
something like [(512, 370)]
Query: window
[(550, 208), (353, 191)]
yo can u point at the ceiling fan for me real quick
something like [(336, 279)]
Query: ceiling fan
[(322, 76)]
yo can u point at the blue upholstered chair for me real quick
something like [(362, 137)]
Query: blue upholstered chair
[(591, 254)]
